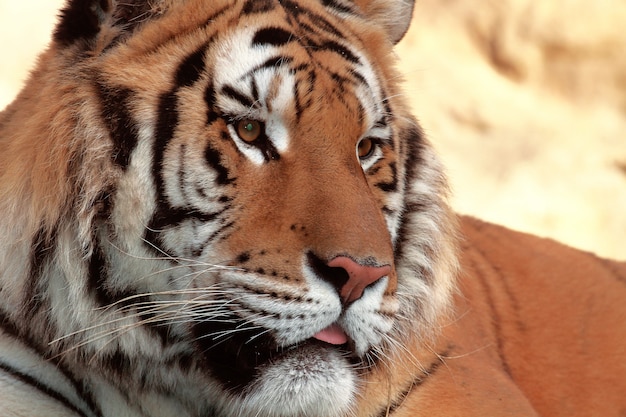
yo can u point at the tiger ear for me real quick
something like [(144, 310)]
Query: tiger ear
[(85, 21), (393, 15)]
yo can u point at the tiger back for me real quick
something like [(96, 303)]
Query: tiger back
[(225, 208)]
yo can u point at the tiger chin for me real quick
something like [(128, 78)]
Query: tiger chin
[(225, 208)]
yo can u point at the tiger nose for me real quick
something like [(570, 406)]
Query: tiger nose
[(359, 277)]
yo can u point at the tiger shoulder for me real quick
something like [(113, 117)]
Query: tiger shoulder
[(225, 208)]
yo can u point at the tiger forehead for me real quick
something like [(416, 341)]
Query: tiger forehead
[(313, 27), (294, 60), (317, 33), (303, 37), (253, 55)]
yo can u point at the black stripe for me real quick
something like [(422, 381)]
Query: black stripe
[(130, 13), (191, 68), (340, 80), (297, 11), (164, 214), (122, 128), (43, 245), (341, 8), (416, 382), (43, 388), (325, 25), (274, 36), (168, 217), (166, 124), (175, 216), (79, 20), (183, 180), (380, 123), (302, 89), (106, 295), (43, 249), (258, 6), (308, 40), (357, 75), (220, 231), (361, 116), (341, 50), (388, 112), (35, 344), (214, 159), (255, 90), (97, 272), (123, 298), (118, 363), (230, 92), (412, 140), (274, 62), (390, 185), (267, 148), (82, 20), (98, 283), (209, 98), (21, 333)]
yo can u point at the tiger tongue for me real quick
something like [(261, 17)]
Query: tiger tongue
[(333, 334)]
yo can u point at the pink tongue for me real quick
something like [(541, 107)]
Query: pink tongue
[(333, 334)]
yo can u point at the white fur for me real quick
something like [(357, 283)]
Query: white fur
[(310, 383), (20, 399)]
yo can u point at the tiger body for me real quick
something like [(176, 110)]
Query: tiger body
[(225, 208)]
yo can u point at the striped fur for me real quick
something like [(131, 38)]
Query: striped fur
[(162, 263), (166, 264)]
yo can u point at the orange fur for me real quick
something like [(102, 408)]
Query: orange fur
[(539, 329), (535, 328)]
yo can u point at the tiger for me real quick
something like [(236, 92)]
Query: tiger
[(226, 208)]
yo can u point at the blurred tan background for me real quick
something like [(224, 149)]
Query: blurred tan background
[(525, 100)]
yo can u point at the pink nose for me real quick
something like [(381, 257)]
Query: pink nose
[(359, 277)]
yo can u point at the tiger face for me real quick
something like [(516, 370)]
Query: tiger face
[(277, 189), (269, 222)]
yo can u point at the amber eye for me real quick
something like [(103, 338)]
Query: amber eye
[(365, 148), (249, 130)]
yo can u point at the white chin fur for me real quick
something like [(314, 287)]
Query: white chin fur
[(311, 381)]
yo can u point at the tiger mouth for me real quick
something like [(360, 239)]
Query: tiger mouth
[(237, 358)]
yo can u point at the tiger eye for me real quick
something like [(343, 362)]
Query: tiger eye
[(249, 130), (365, 148)]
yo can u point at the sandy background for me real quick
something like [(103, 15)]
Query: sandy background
[(525, 100)]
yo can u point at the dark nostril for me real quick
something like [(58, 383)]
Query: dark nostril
[(347, 276), (360, 277), (336, 276)]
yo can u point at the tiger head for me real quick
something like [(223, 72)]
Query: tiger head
[(227, 201)]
